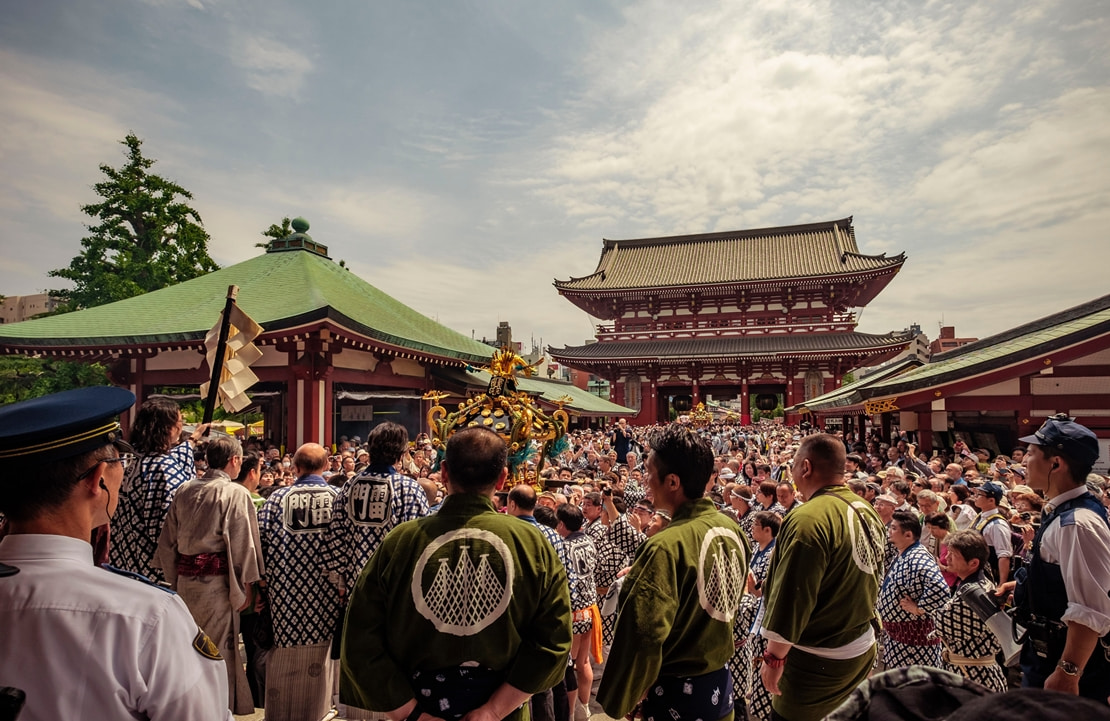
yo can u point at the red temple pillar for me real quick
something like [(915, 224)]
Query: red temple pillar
[(310, 392), (653, 373), (925, 431), (745, 402)]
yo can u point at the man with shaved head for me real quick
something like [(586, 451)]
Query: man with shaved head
[(294, 526), (821, 587)]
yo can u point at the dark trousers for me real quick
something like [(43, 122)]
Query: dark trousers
[(246, 626)]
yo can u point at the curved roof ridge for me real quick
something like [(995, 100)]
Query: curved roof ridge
[(781, 230), (573, 279), (881, 256), (274, 289)]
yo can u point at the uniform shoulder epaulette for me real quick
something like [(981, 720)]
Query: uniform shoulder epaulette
[(136, 577)]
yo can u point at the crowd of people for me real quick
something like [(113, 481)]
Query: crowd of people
[(758, 571)]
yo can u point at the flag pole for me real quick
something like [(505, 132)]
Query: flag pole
[(221, 349)]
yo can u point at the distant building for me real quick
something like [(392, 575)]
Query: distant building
[(19, 308), (764, 315), (948, 340), (918, 349), (504, 338)]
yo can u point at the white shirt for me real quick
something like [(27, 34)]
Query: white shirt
[(87, 643), (1082, 550), (963, 515)]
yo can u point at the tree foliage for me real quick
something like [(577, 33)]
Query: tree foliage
[(144, 236), (276, 232), (22, 378)]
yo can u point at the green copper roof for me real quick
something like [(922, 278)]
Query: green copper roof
[(279, 290), (846, 394), (1022, 343), (1030, 340)]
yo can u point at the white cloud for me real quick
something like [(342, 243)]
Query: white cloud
[(1049, 168), (60, 122), (466, 298), (723, 115), (272, 67)]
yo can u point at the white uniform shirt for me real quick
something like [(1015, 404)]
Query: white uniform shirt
[(87, 643), (1082, 550)]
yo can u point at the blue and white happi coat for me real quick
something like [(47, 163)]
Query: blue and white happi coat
[(294, 528), (759, 698), (914, 575), (367, 507), (148, 489), (970, 647), (564, 557), (582, 554)]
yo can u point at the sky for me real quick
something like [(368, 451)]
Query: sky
[(461, 155)]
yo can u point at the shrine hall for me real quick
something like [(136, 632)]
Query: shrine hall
[(339, 355), (768, 313)]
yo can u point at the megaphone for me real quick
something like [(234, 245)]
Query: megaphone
[(1008, 632)]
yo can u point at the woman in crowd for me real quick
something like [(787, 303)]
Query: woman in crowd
[(165, 463), (940, 525)]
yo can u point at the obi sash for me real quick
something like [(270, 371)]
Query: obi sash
[(202, 564), (677, 698)]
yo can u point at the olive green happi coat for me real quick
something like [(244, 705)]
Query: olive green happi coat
[(677, 605), (822, 585), (465, 585)]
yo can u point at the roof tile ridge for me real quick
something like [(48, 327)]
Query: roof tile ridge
[(781, 230)]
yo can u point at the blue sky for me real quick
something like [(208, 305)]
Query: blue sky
[(461, 155)]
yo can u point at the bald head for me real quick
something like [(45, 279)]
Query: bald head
[(311, 458), (522, 500), (819, 462)]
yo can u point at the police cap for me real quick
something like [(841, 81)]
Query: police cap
[(62, 425), (1063, 434)]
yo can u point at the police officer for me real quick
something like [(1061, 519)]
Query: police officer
[(1062, 596), (82, 641)]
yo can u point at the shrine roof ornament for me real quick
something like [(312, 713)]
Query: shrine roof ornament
[(814, 250), (532, 434)]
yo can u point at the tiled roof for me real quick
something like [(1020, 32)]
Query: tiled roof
[(845, 394), (1025, 342), (278, 290), (797, 251), (732, 347), (1021, 343)]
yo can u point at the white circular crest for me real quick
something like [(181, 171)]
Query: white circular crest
[(864, 539), (721, 586), (464, 599)]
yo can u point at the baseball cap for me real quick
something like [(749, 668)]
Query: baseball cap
[(992, 489)]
